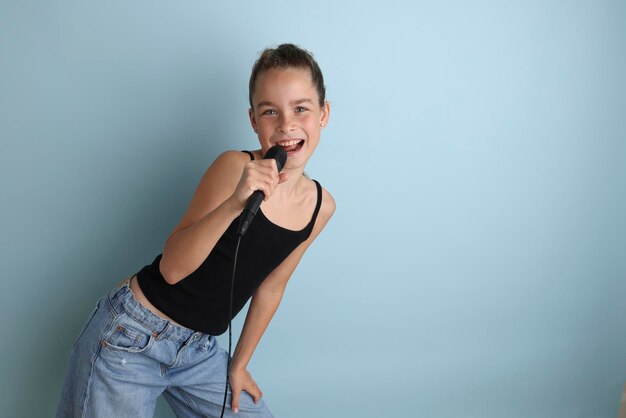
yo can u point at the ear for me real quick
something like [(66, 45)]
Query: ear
[(325, 114), (252, 119)]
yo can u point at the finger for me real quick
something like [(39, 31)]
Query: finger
[(258, 395), (235, 400), (273, 164), (255, 392), (266, 189), (264, 175), (270, 171), (268, 181), (263, 181), (270, 186), (269, 163)]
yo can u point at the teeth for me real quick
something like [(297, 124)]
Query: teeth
[(288, 143)]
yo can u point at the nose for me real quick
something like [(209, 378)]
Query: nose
[(285, 123)]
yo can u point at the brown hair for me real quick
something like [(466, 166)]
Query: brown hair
[(286, 56)]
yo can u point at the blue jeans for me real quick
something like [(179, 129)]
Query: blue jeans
[(126, 356)]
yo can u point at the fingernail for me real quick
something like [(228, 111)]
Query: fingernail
[(236, 410)]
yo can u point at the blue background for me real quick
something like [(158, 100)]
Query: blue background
[(476, 264)]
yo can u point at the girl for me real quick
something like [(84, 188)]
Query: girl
[(155, 333)]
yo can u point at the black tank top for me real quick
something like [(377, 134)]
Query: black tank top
[(200, 300)]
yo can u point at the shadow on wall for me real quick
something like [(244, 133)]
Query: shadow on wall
[(137, 244), (154, 190)]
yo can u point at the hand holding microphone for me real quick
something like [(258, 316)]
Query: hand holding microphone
[(278, 154)]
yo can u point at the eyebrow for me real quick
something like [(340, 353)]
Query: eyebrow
[(295, 102)]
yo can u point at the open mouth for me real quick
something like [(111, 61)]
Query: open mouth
[(292, 145)]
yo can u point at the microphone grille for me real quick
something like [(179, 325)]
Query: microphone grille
[(278, 153)]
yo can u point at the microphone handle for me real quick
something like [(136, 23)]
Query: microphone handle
[(254, 202)]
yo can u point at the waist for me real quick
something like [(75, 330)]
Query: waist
[(121, 300), (141, 298)]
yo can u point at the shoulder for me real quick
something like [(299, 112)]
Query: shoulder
[(328, 205), (231, 158), (226, 168), (221, 178)]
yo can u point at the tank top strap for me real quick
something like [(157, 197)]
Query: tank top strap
[(319, 203), (249, 153)]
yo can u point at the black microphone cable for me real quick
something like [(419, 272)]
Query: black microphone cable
[(230, 325)]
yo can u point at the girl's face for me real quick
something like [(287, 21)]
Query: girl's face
[(287, 112)]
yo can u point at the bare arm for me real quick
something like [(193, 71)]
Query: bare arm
[(219, 198), (264, 304)]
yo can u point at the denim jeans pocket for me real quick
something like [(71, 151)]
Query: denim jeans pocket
[(87, 322), (128, 335)]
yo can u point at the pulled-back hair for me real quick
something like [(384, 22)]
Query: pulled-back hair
[(287, 56)]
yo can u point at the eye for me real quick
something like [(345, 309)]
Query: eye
[(269, 112), (301, 109)]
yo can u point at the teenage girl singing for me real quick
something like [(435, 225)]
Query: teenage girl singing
[(155, 333)]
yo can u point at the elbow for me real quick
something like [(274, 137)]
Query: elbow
[(170, 275)]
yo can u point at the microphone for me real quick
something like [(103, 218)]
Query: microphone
[(254, 201)]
